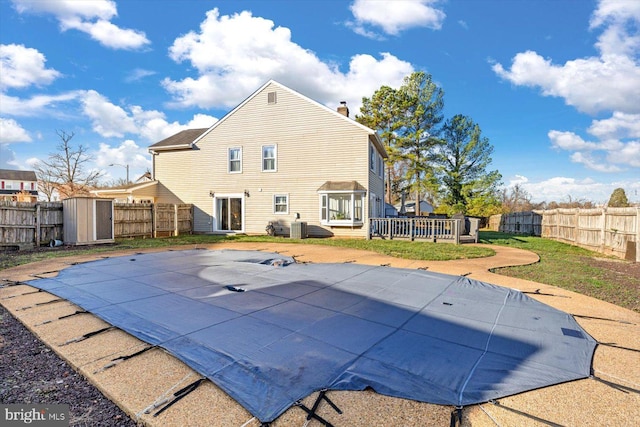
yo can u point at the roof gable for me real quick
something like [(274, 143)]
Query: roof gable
[(371, 132), (186, 139)]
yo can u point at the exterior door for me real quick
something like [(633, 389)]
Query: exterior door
[(104, 219), (229, 214)]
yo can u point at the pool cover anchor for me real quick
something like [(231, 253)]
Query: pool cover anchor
[(456, 417), (311, 413)]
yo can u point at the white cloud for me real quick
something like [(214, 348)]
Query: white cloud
[(619, 125), (88, 16), (110, 120), (235, 54), (570, 141), (609, 82), (629, 154), (394, 17), (590, 85), (615, 150), (7, 157), (127, 153), (11, 131), (23, 67), (594, 162), (138, 74), (36, 105), (614, 15), (564, 189)]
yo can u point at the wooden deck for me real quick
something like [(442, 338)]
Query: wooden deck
[(423, 228)]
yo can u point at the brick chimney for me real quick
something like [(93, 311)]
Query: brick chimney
[(343, 109)]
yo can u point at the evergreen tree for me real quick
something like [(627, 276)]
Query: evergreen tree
[(420, 103), (618, 199), (381, 114), (461, 167)]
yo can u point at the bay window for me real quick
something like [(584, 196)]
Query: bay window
[(344, 208)]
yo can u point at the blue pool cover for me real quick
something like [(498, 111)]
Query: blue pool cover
[(298, 328)]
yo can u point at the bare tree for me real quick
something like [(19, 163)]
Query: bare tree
[(46, 182), (66, 170), (516, 199)]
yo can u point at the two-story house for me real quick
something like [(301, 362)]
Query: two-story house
[(18, 185), (277, 157)]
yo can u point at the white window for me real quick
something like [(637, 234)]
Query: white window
[(235, 160), (281, 204), (342, 208), (380, 166), (372, 158), (269, 155)]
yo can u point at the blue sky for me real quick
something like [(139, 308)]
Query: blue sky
[(554, 84)]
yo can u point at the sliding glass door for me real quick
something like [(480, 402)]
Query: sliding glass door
[(228, 213)]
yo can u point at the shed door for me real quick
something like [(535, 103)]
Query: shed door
[(104, 222)]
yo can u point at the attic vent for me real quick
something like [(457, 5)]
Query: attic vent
[(271, 98)]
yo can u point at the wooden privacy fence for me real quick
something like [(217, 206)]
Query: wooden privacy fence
[(614, 231), (28, 224), (432, 229), (25, 224)]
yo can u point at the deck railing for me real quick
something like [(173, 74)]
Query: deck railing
[(432, 229)]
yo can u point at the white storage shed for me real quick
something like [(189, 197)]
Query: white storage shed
[(87, 221)]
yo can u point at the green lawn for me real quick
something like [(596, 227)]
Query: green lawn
[(573, 268), (560, 264)]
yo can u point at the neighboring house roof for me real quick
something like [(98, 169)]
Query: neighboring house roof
[(145, 177), (180, 141), (16, 175), (123, 189), (342, 186), (183, 139)]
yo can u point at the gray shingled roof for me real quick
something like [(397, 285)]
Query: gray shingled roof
[(181, 139), (16, 175)]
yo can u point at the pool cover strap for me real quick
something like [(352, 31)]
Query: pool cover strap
[(311, 413), (180, 394)]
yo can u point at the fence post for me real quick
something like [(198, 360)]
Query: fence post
[(603, 229), (154, 220), (38, 222), (389, 228), (175, 220), (638, 234), (411, 228), (456, 226)]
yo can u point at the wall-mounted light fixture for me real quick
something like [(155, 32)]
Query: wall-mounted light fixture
[(246, 193), (211, 193)]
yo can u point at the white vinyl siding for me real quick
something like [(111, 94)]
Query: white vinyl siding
[(269, 158), (235, 160), (304, 161)]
